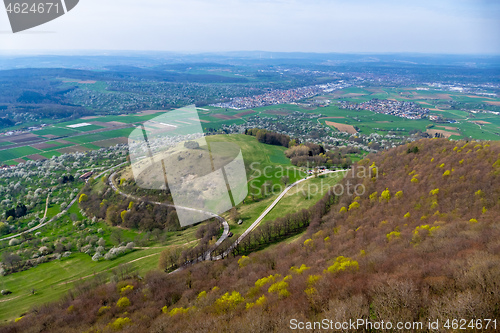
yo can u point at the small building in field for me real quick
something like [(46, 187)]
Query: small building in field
[(86, 175)]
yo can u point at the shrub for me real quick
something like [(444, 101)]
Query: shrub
[(125, 290), (243, 261), (14, 242), (259, 302), (299, 270), (434, 191), (229, 301), (202, 294), (354, 205), (119, 323), (393, 234), (123, 302), (83, 198), (103, 309), (343, 263), (386, 195)]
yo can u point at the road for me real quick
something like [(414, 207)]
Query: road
[(268, 209), (207, 254)]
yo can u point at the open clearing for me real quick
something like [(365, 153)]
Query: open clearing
[(342, 127), (446, 134)]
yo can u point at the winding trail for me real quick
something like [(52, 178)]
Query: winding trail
[(268, 209), (208, 253), (65, 210)]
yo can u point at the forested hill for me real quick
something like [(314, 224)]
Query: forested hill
[(421, 243)]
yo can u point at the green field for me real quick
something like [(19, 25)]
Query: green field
[(13, 153), (56, 131), (52, 280)]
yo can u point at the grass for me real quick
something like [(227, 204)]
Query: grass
[(56, 131), (56, 275), (13, 153), (304, 195)]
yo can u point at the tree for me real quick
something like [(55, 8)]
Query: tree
[(116, 236), (234, 215), (285, 180)]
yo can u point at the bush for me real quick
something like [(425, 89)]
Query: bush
[(123, 302)]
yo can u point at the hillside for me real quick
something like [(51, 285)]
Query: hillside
[(420, 243)]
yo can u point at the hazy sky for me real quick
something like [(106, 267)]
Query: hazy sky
[(425, 26)]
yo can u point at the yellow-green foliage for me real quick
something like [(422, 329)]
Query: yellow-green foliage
[(432, 159), (412, 173), (343, 263), (479, 193), (280, 288), (386, 195), (214, 289), (17, 319), (243, 261), (299, 270), (310, 291), (229, 301), (373, 196), (461, 161), (343, 210), (434, 204), (259, 302), (441, 165), (125, 290), (119, 323), (164, 309), (123, 302), (392, 235), (354, 205), (83, 198), (473, 221), (484, 210), (308, 242), (271, 278), (426, 227), (399, 194), (414, 179), (130, 205), (407, 215), (122, 215), (327, 238), (362, 252), (312, 279), (202, 294), (446, 173), (70, 308), (103, 309), (434, 191), (175, 311)]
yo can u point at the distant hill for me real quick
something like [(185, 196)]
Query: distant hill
[(420, 243)]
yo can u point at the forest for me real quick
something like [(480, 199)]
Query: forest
[(420, 243)]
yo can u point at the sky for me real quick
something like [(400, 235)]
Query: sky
[(343, 26)]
